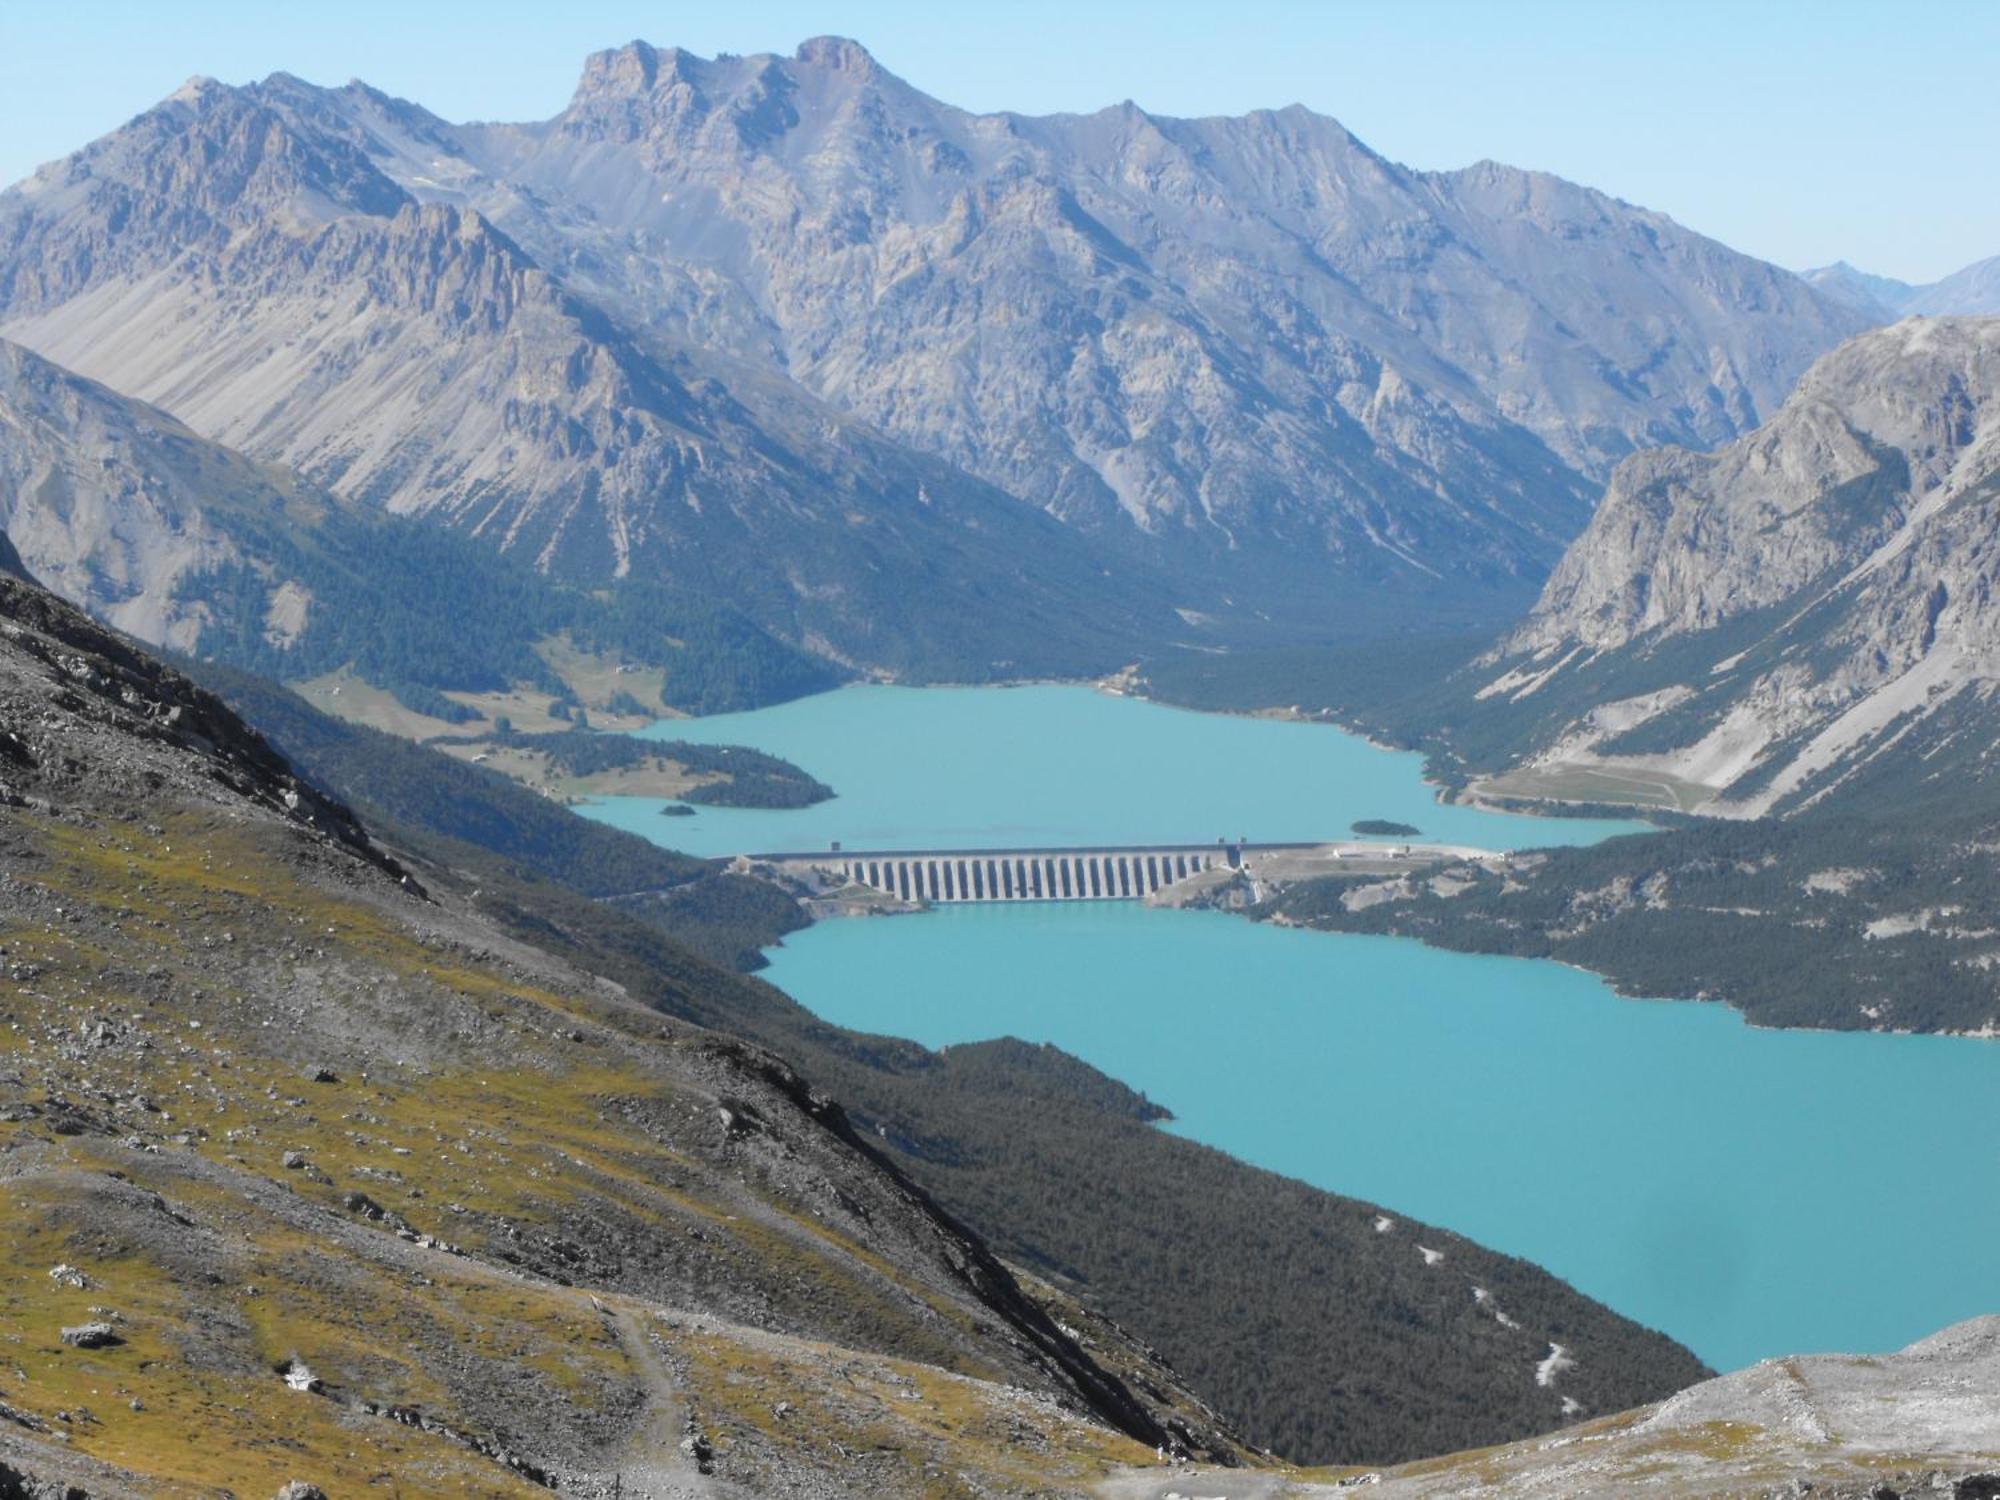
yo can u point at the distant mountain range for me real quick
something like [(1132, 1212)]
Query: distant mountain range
[(1974, 291), (923, 392)]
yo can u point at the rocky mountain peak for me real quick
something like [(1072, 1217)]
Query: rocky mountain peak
[(634, 68), (1684, 540), (282, 83), (1975, 291), (1182, 339), (1875, 296), (1971, 291), (1924, 385), (839, 54), (206, 162), (639, 92), (195, 90)]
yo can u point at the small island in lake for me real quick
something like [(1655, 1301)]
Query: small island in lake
[(1383, 828), (676, 810)]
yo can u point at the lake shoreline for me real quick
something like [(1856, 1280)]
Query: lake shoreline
[(1661, 1157), (1592, 1088)]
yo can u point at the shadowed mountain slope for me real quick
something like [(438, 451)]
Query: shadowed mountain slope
[(187, 544), (10, 560)]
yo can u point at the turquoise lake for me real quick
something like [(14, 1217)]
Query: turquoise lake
[(985, 768), (1750, 1192)]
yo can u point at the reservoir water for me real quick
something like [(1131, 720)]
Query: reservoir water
[(985, 768), (1750, 1192)]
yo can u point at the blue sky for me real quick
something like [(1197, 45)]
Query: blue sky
[(1802, 132)]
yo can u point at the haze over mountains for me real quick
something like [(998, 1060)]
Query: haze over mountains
[(927, 392)]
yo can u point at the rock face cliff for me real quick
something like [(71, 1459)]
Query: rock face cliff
[(1067, 305), (237, 264), (187, 544), (120, 508), (790, 330), (1759, 622)]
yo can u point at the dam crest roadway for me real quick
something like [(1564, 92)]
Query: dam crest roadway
[(1166, 874)]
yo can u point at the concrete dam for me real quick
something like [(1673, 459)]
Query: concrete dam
[(944, 876)]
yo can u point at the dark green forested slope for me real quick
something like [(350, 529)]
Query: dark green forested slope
[(1869, 908), (468, 818), (417, 609), (1876, 910), (1322, 1338), (1387, 684)]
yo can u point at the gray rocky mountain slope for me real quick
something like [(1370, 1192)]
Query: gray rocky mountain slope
[(329, 1177), (264, 283), (1184, 265), (118, 507), (1917, 1423), (788, 329), (1759, 622), (1974, 290), (1879, 297), (185, 543)]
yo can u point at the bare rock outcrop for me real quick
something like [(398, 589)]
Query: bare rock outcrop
[(1756, 622)]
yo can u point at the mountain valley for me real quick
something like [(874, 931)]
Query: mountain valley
[(388, 1103), (1791, 638)]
